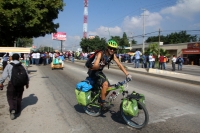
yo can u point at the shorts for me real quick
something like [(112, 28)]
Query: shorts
[(99, 77)]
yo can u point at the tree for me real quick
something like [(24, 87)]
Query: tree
[(122, 42), (97, 43), (27, 19), (24, 42), (89, 45), (174, 38), (134, 42), (155, 50)]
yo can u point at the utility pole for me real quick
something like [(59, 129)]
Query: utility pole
[(159, 42), (143, 29), (108, 32), (131, 39)]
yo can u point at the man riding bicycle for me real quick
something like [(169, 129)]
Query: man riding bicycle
[(102, 59)]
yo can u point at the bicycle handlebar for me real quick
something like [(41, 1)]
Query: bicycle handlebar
[(120, 83)]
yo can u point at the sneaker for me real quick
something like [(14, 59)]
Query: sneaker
[(12, 114), (106, 105)]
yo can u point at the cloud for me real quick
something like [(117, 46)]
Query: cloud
[(136, 23), (106, 31), (128, 25), (197, 25), (73, 38), (183, 8)]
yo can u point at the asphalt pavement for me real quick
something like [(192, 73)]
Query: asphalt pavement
[(188, 74)]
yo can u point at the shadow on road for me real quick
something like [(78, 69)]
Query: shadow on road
[(116, 116), (27, 101), (79, 108)]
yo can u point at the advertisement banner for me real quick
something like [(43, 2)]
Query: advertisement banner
[(190, 51), (59, 36)]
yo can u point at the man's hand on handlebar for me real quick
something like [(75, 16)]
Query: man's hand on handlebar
[(128, 77)]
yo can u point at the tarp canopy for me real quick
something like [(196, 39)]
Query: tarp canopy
[(131, 53), (14, 50)]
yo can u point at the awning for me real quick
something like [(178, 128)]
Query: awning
[(190, 51), (130, 53), (14, 50)]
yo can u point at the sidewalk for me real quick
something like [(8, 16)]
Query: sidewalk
[(190, 75), (40, 111)]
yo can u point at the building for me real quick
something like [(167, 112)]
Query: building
[(189, 51)]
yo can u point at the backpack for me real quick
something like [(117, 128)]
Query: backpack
[(19, 76), (91, 57), (179, 60)]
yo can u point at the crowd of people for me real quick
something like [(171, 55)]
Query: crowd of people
[(149, 60), (138, 59)]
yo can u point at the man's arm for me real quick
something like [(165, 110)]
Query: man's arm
[(120, 65), (96, 65), (4, 75)]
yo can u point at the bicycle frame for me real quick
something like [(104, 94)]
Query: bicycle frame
[(119, 86)]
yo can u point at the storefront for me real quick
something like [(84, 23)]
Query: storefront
[(191, 55)]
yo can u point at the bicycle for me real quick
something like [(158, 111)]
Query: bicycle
[(94, 108)]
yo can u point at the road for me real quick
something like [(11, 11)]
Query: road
[(50, 106)]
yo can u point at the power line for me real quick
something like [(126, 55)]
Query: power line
[(162, 31)]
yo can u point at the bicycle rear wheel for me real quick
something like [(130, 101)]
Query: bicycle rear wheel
[(139, 121), (93, 109)]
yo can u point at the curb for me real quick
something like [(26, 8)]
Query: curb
[(149, 73)]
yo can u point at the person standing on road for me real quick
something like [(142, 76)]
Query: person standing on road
[(14, 94), (73, 56), (180, 62), (137, 58), (144, 61), (150, 60), (33, 58), (173, 63), (164, 63), (5, 60), (37, 58), (161, 62)]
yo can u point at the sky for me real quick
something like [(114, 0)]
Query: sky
[(114, 17)]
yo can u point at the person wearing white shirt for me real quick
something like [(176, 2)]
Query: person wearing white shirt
[(173, 63), (151, 59), (85, 56), (33, 57), (37, 58), (137, 58)]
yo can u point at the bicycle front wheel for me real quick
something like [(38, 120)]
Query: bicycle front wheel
[(139, 121)]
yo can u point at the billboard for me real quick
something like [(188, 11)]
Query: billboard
[(59, 36)]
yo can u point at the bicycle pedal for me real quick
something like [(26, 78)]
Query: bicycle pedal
[(105, 108)]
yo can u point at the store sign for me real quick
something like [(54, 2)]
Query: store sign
[(59, 36), (193, 45), (191, 51)]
